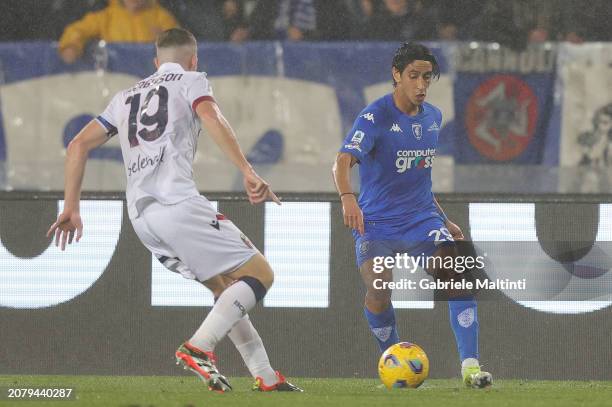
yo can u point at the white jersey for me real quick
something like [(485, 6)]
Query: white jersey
[(158, 131)]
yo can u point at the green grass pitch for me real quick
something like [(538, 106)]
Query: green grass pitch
[(162, 391)]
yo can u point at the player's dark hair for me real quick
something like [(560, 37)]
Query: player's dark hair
[(175, 37), (410, 52)]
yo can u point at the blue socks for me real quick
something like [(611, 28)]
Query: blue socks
[(464, 321), (383, 327)]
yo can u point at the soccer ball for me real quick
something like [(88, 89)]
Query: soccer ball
[(403, 365)]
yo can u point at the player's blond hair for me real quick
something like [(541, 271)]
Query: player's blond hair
[(176, 45), (175, 37)]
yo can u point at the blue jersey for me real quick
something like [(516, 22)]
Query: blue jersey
[(396, 153)]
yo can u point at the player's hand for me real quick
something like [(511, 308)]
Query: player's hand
[(257, 189), (353, 217), (454, 230), (64, 228)]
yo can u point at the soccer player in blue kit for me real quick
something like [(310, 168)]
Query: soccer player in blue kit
[(394, 141)]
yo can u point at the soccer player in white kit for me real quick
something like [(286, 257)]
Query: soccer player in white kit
[(158, 121)]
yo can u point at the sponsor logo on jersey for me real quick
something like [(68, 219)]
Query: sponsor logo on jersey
[(143, 162), (352, 147), (368, 116), (396, 128), (408, 159), (417, 130), (433, 127)]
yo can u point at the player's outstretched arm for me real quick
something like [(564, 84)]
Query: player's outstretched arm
[(69, 221), (223, 135), (353, 217)]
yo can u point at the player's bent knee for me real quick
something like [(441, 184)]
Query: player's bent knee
[(382, 296), (258, 288), (257, 267)]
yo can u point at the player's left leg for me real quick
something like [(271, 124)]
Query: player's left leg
[(463, 312), (436, 243)]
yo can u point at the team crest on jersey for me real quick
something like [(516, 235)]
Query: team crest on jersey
[(396, 128), (368, 116), (417, 130)]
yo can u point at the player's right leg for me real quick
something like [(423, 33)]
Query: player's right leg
[(192, 239), (258, 275), (201, 362), (378, 308), (251, 283), (246, 338)]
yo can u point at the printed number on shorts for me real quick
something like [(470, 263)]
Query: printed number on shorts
[(441, 235), (159, 119)]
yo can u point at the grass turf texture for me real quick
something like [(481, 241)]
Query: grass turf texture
[(162, 391)]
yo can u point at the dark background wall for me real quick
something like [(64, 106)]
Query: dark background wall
[(112, 328)]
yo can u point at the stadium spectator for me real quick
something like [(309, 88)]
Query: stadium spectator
[(212, 20), (120, 21), (235, 21), (360, 12), (298, 20), (577, 22), (451, 16), (24, 20), (499, 21), (395, 20)]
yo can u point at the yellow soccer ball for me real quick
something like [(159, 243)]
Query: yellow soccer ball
[(403, 365)]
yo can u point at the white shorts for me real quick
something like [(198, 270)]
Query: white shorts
[(192, 238)]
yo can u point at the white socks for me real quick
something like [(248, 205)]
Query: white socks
[(251, 348), (229, 317), (232, 305)]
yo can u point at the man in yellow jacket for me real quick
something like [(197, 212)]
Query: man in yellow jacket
[(120, 21)]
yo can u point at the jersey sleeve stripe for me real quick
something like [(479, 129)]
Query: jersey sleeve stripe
[(201, 99), (110, 129)]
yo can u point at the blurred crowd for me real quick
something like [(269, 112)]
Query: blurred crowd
[(513, 23)]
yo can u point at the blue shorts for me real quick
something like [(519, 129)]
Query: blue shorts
[(421, 237)]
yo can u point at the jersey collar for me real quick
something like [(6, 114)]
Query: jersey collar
[(170, 66)]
